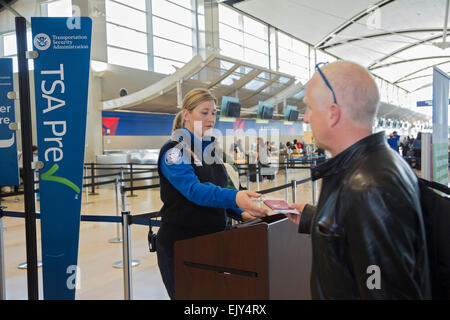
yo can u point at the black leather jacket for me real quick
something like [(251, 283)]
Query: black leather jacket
[(368, 217)]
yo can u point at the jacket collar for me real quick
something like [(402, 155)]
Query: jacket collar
[(349, 156), (195, 140)]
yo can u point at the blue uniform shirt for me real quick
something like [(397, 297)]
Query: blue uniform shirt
[(182, 176)]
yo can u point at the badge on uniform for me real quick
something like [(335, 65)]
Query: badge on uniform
[(173, 156)]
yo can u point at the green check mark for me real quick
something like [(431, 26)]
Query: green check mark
[(48, 176)]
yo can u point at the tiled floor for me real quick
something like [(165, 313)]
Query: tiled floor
[(98, 279)]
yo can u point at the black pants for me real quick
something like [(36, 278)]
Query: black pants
[(165, 264)]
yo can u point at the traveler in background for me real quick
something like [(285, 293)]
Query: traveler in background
[(393, 140), (417, 151), (405, 146), (367, 230)]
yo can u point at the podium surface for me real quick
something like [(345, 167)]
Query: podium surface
[(266, 260)]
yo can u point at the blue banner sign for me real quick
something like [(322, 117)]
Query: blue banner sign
[(117, 123), (61, 77), (427, 103), (9, 170)]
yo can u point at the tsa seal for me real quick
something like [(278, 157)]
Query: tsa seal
[(173, 156), (42, 41)]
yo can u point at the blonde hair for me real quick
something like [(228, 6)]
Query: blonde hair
[(191, 100)]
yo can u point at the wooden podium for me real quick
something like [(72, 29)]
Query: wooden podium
[(265, 260)]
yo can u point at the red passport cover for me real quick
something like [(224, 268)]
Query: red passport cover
[(277, 204)]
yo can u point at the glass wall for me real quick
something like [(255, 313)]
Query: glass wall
[(174, 28), (126, 33), (243, 38), (293, 56), (163, 35), (8, 46), (155, 35)]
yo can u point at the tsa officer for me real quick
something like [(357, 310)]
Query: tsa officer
[(196, 200)]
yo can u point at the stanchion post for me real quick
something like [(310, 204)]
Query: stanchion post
[(123, 193), (248, 177), (35, 175), (286, 179), (120, 264), (294, 191), (314, 191), (86, 189), (2, 262), (93, 179), (131, 181), (117, 239), (257, 176), (127, 262)]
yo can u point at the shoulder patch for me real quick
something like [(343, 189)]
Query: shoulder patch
[(173, 156)]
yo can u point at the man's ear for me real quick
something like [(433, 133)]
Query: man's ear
[(334, 114)]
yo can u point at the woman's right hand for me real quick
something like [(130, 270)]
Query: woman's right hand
[(244, 201)]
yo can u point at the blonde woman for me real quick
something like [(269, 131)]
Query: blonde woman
[(194, 192)]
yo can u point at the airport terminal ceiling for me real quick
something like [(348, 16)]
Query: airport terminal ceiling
[(6, 2), (397, 40), (224, 76)]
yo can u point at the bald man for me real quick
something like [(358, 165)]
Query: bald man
[(367, 230)]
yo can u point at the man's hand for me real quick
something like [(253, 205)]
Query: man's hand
[(243, 201), (295, 218)]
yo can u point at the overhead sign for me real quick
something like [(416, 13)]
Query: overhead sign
[(441, 83), (427, 103), (61, 77), (9, 169)]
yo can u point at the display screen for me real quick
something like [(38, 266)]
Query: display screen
[(233, 109), (293, 115), (267, 112)]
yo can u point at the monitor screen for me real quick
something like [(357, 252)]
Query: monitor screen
[(293, 115), (267, 112), (233, 109)]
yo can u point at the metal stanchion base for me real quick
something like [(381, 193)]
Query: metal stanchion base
[(132, 196), (119, 264), (93, 193), (24, 265), (115, 240)]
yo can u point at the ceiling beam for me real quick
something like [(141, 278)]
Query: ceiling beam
[(405, 78), (14, 12), (268, 84), (351, 21), (377, 35), (407, 60), (226, 74), (373, 65)]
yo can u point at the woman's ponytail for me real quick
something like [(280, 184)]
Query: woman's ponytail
[(177, 122)]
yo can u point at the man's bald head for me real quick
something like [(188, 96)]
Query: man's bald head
[(355, 89)]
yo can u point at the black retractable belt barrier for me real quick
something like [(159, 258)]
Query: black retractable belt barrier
[(151, 234)]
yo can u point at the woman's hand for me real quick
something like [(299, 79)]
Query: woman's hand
[(244, 201), (246, 216)]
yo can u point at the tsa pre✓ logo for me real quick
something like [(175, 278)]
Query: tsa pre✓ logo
[(42, 41)]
